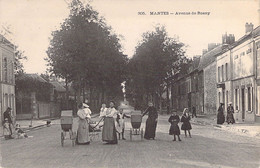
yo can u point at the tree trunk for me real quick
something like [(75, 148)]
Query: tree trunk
[(167, 99), (67, 93)]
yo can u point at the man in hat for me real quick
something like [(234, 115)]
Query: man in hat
[(220, 116), (230, 111)]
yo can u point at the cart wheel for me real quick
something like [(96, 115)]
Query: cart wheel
[(142, 134), (130, 134), (62, 139)]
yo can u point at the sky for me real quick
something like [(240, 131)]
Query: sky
[(32, 21)]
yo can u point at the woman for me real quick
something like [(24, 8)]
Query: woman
[(220, 116), (230, 116), (83, 128), (151, 122), (185, 119), (8, 119), (174, 129), (109, 130)]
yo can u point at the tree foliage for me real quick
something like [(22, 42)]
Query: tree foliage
[(157, 56), (85, 51)]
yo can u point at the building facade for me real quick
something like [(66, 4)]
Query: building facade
[(7, 78)]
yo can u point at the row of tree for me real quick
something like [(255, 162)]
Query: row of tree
[(86, 53)]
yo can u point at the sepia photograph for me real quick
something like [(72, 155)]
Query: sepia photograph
[(130, 83)]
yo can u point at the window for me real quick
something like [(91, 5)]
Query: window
[(249, 99), (218, 74), (227, 98), (222, 75), (219, 98), (226, 71), (236, 99), (5, 69)]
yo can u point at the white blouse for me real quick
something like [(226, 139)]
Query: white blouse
[(103, 112), (111, 112), (84, 113)]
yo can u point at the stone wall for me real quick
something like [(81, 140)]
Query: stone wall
[(210, 89)]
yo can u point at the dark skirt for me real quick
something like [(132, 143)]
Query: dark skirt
[(220, 118), (230, 118), (186, 126), (174, 130), (109, 131), (150, 128)]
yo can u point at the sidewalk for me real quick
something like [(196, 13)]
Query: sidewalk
[(28, 125), (246, 129)]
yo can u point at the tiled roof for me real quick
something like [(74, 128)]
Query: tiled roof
[(58, 86), (209, 57), (36, 77)]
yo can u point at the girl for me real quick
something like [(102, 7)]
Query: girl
[(185, 119), (120, 123), (174, 129)]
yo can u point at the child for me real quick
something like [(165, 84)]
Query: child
[(19, 132), (185, 119), (174, 129), (120, 123), (7, 132), (103, 110)]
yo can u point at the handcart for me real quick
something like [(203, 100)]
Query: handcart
[(136, 120), (95, 129), (66, 122)]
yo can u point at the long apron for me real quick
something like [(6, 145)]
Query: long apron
[(83, 131), (109, 130)]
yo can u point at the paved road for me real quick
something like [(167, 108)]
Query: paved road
[(208, 147)]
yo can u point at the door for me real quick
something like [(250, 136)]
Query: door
[(243, 102)]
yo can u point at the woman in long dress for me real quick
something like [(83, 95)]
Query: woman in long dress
[(151, 122), (220, 116), (83, 128), (230, 116), (109, 130)]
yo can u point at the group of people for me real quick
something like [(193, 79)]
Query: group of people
[(221, 116), (114, 124)]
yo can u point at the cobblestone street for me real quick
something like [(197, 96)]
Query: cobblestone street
[(208, 147)]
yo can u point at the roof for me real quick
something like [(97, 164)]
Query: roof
[(35, 77), (209, 57), (6, 41), (58, 86)]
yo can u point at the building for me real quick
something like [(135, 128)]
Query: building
[(245, 76), (207, 73), (256, 51), (7, 78), (223, 69)]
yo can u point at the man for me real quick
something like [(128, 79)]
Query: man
[(194, 112), (8, 117)]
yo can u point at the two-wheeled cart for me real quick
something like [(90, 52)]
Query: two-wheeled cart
[(136, 120), (66, 122)]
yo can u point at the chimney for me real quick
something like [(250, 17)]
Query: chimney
[(228, 39), (249, 27)]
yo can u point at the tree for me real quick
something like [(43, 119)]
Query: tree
[(156, 57), (86, 52)]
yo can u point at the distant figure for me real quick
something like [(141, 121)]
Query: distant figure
[(151, 122), (103, 110), (185, 119), (8, 121), (194, 112), (109, 130), (230, 116), (120, 123), (220, 116), (83, 127), (174, 129)]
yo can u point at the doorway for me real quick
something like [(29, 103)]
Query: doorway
[(243, 103)]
